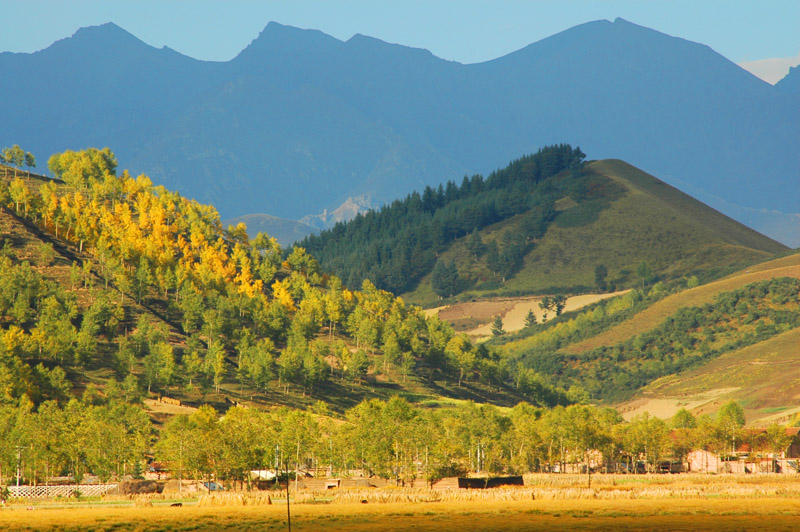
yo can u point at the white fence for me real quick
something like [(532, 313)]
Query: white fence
[(85, 490)]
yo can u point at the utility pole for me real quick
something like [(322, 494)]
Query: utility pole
[(296, 466), (19, 459), (288, 511), (180, 471)]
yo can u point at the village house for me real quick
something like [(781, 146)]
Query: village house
[(747, 460)]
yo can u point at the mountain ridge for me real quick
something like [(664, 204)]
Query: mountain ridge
[(288, 112)]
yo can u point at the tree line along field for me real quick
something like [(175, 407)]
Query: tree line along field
[(393, 440)]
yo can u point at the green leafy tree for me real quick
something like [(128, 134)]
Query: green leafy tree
[(530, 319), (14, 156), (777, 439), (645, 273), (82, 168), (258, 363), (215, 363), (462, 353), (30, 161), (730, 420), (46, 253), (159, 365), (356, 365)]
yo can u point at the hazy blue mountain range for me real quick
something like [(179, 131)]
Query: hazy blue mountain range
[(299, 121), (790, 83), (286, 232)]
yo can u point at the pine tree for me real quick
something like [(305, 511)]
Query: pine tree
[(600, 274), (530, 319), (444, 279), (497, 326), (475, 244)]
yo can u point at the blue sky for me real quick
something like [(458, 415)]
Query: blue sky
[(463, 30)]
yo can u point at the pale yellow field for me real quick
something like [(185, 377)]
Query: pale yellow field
[(776, 507), (763, 377), (726, 514)]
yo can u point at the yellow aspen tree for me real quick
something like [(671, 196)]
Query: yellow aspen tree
[(281, 294)]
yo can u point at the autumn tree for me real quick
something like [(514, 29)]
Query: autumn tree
[(81, 168)]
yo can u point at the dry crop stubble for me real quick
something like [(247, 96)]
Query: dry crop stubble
[(769, 514)]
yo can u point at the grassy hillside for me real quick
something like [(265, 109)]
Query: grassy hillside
[(172, 283), (633, 218), (762, 378), (649, 318), (228, 312), (672, 347)]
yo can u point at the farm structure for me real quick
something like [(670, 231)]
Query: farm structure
[(477, 482), (747, 460)]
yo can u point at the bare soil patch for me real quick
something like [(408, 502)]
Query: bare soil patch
[(666, 407), (157, 407), (476, 317)]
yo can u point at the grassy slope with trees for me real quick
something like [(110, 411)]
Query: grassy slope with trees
[(112, 286), (543, 234), (679, 338), (642, 221), (131, 288)]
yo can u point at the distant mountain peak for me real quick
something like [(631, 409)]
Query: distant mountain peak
[(365, 42), (104, 40), (106, 33), (791, 81), (277, 38)]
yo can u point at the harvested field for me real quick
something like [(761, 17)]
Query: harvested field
[(666, 407), (158, 407), (531, 515), (547, 502)]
